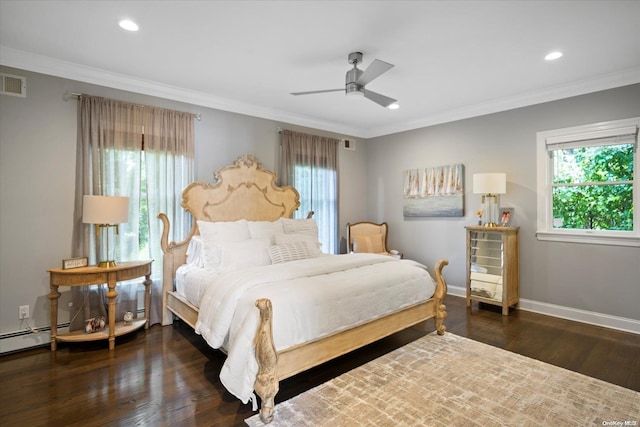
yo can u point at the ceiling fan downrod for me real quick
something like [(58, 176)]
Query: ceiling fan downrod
[(351, 87)]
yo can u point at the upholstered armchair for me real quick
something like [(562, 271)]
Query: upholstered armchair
[(369, 237)]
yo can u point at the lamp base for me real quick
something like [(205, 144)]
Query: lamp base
[(490, 210), (107, 264)]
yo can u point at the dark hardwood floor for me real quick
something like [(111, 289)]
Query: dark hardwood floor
[(168, 376)]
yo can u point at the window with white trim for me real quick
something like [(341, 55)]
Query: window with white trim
[(588, 184)]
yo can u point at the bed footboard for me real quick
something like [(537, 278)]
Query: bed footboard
[(305, 356), (438, 296), (266, 384)]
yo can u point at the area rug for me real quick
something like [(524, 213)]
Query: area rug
[(454, 381)]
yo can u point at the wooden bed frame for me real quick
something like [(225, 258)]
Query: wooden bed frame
[(245, 190)]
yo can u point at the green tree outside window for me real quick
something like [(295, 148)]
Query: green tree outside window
[(593, 187)]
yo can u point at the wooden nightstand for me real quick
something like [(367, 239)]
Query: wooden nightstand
[(94, 275)]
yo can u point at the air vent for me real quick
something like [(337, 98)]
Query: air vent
[(349, 144), (13, 85)]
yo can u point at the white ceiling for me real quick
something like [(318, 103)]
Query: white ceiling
[(453, 59)]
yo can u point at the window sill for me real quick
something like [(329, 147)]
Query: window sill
[(592, 238)]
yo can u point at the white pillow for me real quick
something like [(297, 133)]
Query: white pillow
[(300, 226), (226, 231), (307, 226), (216, 233), (371, 243), (268, 229), (244, 254), (289, 252), (195, 254), (312, 243)]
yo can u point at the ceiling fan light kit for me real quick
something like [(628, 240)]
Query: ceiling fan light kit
[(356, 80)]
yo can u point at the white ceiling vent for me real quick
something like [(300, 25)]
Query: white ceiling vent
[(13, 85), (349, 144)]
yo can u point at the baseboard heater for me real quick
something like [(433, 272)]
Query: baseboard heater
[(23, 332)]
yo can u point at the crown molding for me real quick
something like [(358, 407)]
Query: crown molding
[(69, 70), (568, 90), (55, 67)]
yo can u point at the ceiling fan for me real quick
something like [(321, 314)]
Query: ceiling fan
[(357, 79)]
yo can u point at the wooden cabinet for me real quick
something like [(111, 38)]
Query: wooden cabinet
[(493, 266), (93, 275)]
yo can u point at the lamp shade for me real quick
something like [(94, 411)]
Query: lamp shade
[(105, 209), (489, 183)]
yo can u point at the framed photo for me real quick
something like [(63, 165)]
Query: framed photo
[(506, 217), (75, 262)]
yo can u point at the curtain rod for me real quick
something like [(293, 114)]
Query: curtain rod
[(78, 95)]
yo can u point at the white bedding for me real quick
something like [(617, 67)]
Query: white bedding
[(311, 298), (192, 282)]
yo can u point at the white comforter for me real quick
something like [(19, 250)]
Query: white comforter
[(311, 298)]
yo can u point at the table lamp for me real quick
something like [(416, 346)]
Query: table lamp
[(105, 212), (490, 185)]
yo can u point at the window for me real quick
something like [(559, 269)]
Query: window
[(309, 163), (588, 184), (318, 193), (144, 153)]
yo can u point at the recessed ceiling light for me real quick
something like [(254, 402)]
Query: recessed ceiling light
[(128, 25), (553, 56), (394, 106)]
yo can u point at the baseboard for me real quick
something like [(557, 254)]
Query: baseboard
[(575, 314)]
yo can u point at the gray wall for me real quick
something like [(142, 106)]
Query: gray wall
[(595, 278), (38, 136)]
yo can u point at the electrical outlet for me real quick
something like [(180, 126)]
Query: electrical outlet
[(24, 312)]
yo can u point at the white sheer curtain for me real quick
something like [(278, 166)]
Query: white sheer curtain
[(169, 155), (143, 153), (309, 163)]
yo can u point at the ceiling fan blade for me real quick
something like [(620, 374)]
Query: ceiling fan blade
[(385, 101), (374, 70), (317, 91)]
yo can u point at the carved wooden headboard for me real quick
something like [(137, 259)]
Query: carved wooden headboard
[(242, 190)]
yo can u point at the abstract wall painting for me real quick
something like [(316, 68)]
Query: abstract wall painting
[(434, 192)]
